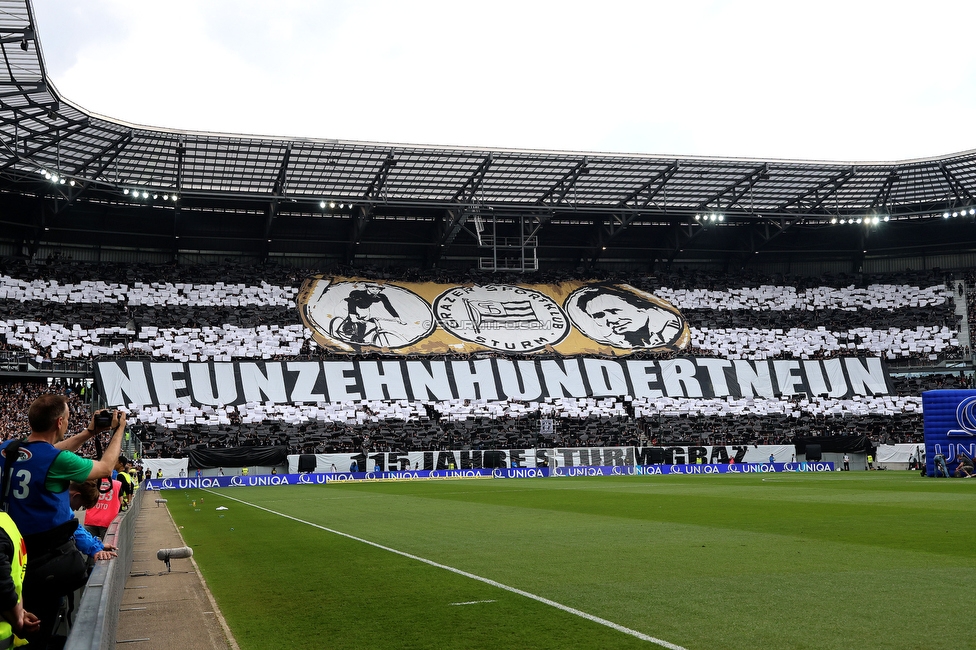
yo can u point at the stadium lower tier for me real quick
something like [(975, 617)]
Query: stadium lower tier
[(313, 437), (91, 315)]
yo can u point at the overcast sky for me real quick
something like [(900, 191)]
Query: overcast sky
[(816, 81)]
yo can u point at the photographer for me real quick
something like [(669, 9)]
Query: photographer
[(36, 478)]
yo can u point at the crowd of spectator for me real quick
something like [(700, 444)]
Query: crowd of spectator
[(16, 397), (66, 310)]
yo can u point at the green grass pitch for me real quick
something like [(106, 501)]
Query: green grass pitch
[(842, 560)]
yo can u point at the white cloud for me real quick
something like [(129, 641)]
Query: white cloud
[(826, 80)]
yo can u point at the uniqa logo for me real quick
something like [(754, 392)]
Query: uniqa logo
[(965, 418)]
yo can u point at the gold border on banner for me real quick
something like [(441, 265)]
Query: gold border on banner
[(356, 315)]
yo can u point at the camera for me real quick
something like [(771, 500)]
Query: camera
[(103, 420)]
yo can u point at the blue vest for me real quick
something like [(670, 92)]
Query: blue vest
[(33, 507)]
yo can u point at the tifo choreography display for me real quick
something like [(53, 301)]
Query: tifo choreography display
[(355, 315)]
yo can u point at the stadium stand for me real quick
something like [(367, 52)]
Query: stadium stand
[(81, 311)]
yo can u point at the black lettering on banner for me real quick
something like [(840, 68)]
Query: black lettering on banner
[(471, 460), (446, 460), (304, 383), (697, 453), (148, 383), (719, 455), (563, 377)]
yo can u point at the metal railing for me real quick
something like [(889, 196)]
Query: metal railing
[(97, 619)]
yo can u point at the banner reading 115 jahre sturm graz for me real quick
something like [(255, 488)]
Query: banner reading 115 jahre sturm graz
[(356, 315)]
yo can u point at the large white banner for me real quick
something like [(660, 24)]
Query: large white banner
[(143, 383), (557, 457)]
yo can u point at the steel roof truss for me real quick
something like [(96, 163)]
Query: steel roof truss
[(958, 189), (379, 180), (63, 133), (363, 214), (472, 186), (744, 184), (834, 183), (881, 198), (114, 148), (557, 193), (279, 189), (645, 194)]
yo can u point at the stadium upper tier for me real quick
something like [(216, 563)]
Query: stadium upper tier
[(51, 312), (72, 178)]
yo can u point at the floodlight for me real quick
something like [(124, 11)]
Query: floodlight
[(322, 204), (126, 191), (332, 205), (945, 215), (834, 220), (721, 217), (166, 197), (155, 196), (887, 218), (859, 220), (145, 195), (875, 220), (71, 182)]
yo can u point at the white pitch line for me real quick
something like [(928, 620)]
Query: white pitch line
[(473, 602), (487, 581)]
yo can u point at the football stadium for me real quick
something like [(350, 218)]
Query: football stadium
[(370, 395)]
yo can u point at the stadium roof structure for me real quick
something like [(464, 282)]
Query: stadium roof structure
[(69, 177)]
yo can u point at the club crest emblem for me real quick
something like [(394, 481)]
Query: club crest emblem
[(501, 317)]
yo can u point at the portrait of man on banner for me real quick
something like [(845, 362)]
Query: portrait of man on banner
[(622, 317)]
